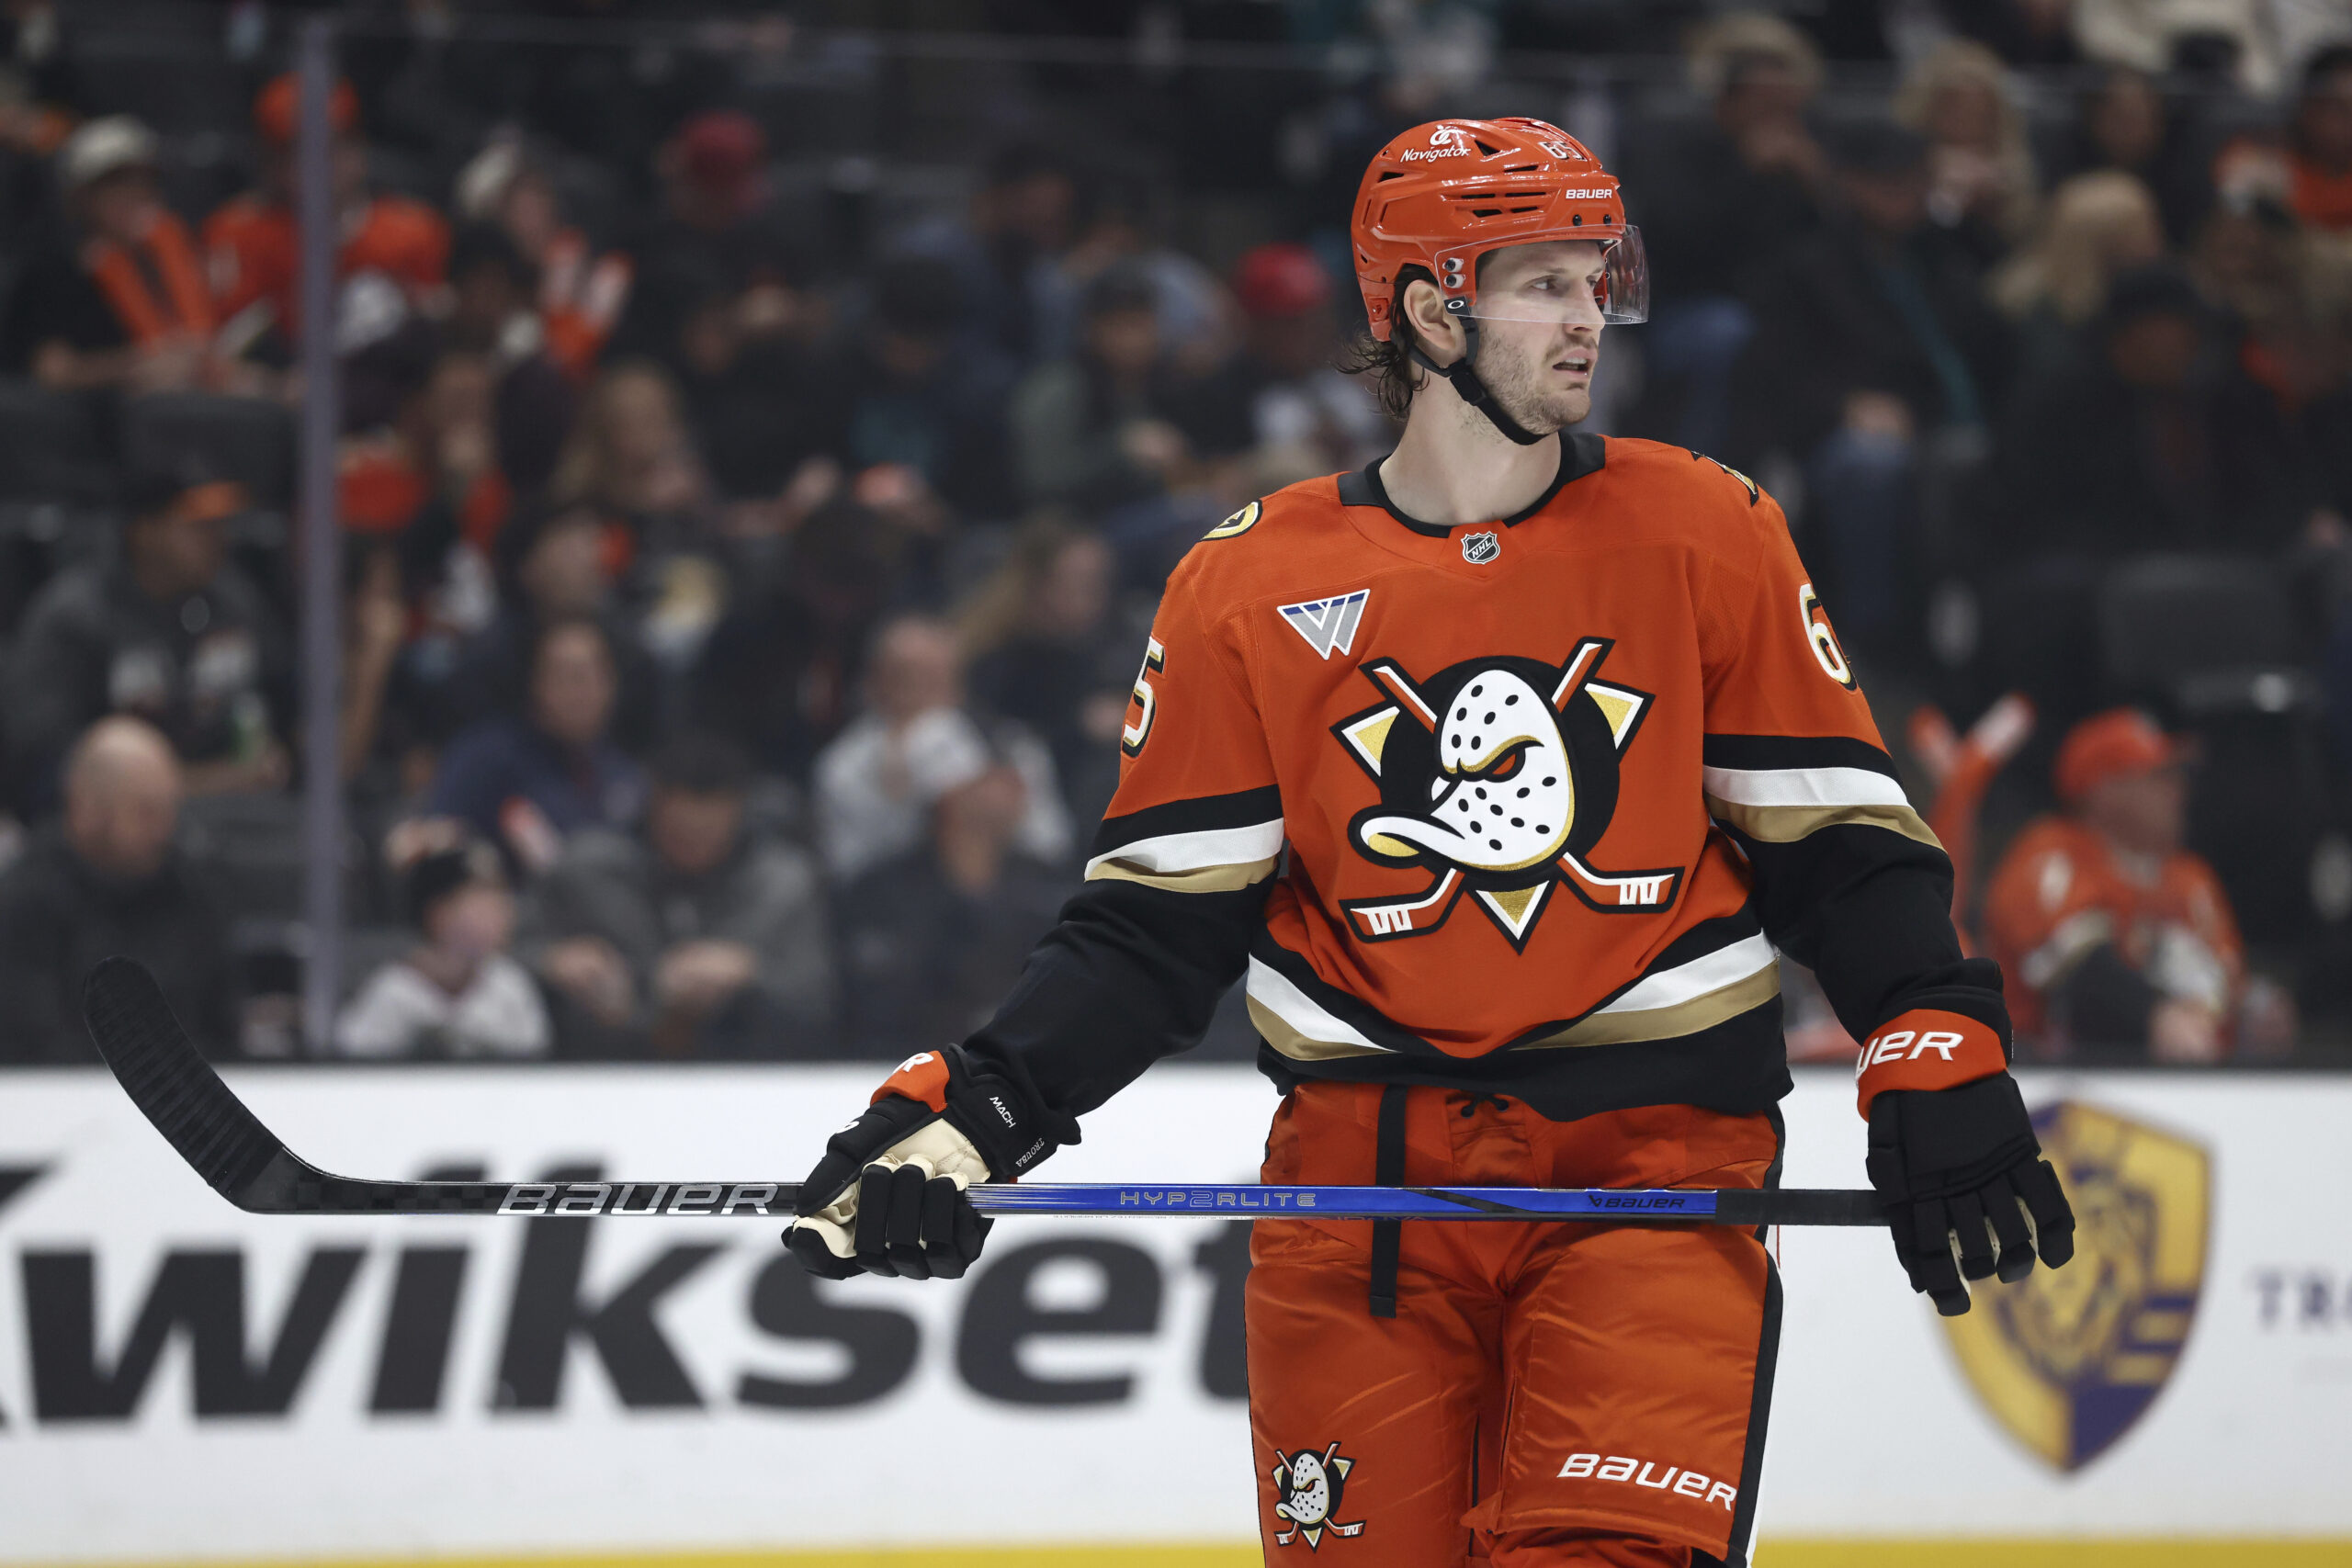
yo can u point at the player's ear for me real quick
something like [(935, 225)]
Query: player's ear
[(1437, 332)]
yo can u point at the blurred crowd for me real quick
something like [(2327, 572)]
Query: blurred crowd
[(750, 515)]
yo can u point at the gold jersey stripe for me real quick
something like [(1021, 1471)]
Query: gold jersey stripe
[(1200, 879), (1718, 1006)]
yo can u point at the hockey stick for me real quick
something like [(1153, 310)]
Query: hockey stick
[(168, 1078)]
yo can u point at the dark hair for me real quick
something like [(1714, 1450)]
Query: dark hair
[(519, 538), (437, 873), (2158, 289), (1390, 365), (918, 296), (702, 763), (155, 484), (1018, 162), (479, 245), (1124, 286), (2326, 62)]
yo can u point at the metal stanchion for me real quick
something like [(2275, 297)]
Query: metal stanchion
[(322, 572)]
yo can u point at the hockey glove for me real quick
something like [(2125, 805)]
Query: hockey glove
[(1966, 1189), (889, 1196)]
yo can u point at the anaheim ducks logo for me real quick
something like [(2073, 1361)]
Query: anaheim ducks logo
[(1497, 775), (1311, 1485)]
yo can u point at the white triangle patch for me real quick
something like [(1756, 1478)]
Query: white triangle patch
[(1328, 624)]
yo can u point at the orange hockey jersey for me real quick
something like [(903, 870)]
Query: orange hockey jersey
[(1522, 806)]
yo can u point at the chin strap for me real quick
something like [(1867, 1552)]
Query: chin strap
[(1467, 385)]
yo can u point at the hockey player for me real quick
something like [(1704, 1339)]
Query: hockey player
[(1501, 769)]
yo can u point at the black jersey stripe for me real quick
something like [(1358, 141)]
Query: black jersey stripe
[(1770, 753), (1738, 1068), (1208, 813)]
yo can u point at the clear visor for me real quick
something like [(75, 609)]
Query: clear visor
[(1575, 294)]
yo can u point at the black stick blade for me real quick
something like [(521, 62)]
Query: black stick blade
[(168, 1078)]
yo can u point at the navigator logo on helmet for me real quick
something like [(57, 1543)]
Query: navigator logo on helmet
[(1440, 196)]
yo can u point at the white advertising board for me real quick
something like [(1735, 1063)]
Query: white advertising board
[(180, 1381)]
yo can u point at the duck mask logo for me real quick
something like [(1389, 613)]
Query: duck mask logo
[(1499, 775), (1310, 1486)]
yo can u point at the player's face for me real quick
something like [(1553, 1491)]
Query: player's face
[(1538, 331)]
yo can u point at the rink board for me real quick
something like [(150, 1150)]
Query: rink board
[(180, 1383)]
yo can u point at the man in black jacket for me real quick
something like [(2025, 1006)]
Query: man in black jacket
[(105, 879)]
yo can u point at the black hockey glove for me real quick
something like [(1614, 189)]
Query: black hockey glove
[(889, 1196), (1959, 1171)]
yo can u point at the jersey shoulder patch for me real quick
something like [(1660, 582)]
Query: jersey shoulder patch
[(1240, 522), (1755, 493)]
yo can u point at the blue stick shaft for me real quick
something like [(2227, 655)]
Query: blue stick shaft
[(1730, 1206)]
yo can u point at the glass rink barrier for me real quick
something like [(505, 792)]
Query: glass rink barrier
[(180, 1382)]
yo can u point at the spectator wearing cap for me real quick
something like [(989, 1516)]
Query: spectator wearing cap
[(174, 632), (717, 230), (456, 994), (120, 300), (580, 292), (2109, 932), (700, 933), (528, 782), (915, 404), (1281, 394), (1721, 199), (1873, 335), (876, 784), (394, 252), (105, 878), (1099, 428)]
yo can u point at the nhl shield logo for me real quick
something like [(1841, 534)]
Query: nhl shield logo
[(2067, 1360), (1481, 547), (1308, 1486)]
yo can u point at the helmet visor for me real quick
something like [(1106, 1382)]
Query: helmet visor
[(1617, 295)]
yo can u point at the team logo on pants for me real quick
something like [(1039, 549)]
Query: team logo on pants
[(1496, 775), (1310, 1484)]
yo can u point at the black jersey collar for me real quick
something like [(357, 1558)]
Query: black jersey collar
[(1579, 455)]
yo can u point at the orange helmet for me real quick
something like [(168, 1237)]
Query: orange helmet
[(1442, 195)]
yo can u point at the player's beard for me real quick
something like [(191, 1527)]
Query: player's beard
[(1521, 379)]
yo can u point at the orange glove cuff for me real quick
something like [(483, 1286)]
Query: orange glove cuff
[(921, 1077), (1926, 1048)]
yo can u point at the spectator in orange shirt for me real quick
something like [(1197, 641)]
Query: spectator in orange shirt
[(118, 300), (395, 251), (2111, 934), (578, 291), (2320, 159)]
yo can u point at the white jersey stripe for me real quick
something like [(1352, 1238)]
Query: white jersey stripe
[(1173, 852), (1688, 982), (1270, 989), (1803, 786)]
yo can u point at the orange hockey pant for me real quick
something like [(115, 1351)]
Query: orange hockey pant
[(1545, 1394)]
